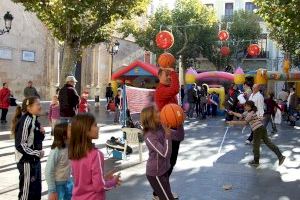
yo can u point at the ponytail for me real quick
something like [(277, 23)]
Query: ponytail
[(17, 116), (19, 111)]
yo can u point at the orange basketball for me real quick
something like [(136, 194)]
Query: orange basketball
[(166, 60), (172, 115)]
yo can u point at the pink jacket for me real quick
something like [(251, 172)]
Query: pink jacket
[(89, 183)]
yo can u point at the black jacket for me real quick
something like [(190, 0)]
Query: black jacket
[(29, 138), (109, 92), (68, 101), (192, 95)]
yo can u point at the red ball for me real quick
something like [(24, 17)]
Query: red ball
[(223, 35), (164, 40), (166, 60), (225, 51), (253, 50), (172, 115)]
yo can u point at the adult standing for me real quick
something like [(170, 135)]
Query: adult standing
[(166, 92), (198, 101), (271, 107), (214, 104), (68, 99), (192, 100), (182, 94), (292, 106), (4, 102), (259, 102), (283, 95), (118, 104), (203, 101), (30, 91), (109, 93), (231, 101)]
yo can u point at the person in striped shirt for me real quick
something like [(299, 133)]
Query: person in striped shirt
[(259, 132)]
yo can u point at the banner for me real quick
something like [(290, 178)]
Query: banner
[(138, 98)]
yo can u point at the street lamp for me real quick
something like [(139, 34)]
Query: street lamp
[(112, 48), (7, 22)]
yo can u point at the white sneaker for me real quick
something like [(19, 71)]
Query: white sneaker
[(175, 195), (155, 198), (248, 142)]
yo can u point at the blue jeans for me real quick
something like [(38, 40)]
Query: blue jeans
[(64, 190)]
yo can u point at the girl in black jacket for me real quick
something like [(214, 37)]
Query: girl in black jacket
[(29, 136)]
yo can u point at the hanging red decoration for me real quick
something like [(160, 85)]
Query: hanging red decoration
[(225, 51), (253, 50), (164, 40), (166, 60), (223, 35)]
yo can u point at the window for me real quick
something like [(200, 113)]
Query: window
[(5, 53), (209, 5), (249, 6), (228, 9), (28, 56)]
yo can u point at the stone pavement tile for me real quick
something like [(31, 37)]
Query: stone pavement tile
[(204, 166)]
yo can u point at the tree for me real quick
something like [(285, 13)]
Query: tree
[(193, 25), (282, 17), (244, 29), (79, 23), (195, 29)]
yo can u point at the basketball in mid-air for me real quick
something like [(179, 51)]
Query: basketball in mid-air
[(166, 60)]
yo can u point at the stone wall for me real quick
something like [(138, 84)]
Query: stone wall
[(29, 34), (96, 63)]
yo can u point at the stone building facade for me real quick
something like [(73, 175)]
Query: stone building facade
[(24, 52), (29, 52), (96, 64)]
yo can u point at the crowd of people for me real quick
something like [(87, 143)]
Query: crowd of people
[(75, 167), (200, 101)]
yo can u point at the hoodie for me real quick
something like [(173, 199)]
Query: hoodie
[(160, 149)]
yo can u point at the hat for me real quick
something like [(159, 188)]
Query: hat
[(71, 78)]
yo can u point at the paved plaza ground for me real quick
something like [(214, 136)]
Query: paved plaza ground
[(211, 156)]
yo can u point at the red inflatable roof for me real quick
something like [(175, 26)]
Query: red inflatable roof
[(152, 69)]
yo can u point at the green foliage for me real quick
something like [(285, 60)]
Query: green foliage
[(195, 29), (193, 25), (79, 23), (244, 29), (282, 17), (83, 22)]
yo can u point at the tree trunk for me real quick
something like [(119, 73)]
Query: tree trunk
[(68, 63)]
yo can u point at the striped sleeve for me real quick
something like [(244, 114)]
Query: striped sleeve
[(162, 149), (98, 181), (22, 138)]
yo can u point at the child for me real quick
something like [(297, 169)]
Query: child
[(58, 167), (83, 104), (111, 105), (87, 161), (259, 132), (54, 112), (118, 103), (159, 143), (28, 143)]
